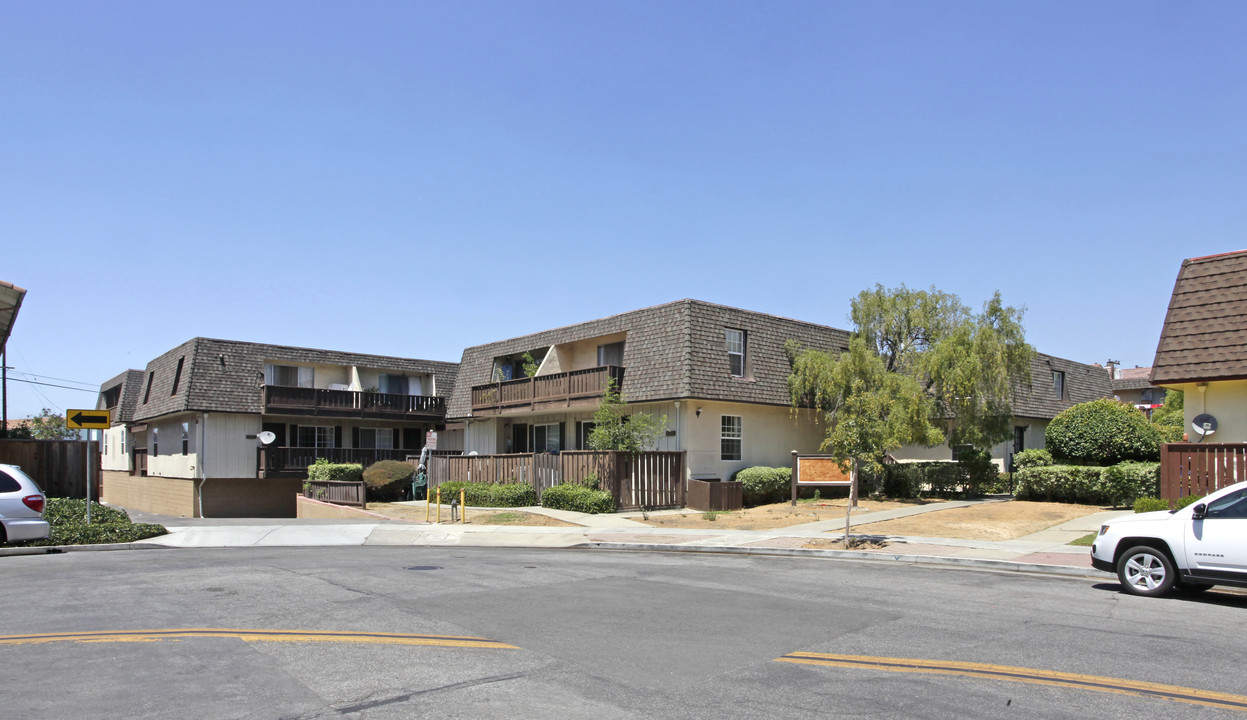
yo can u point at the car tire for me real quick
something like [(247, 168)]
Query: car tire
[(1144, 570)]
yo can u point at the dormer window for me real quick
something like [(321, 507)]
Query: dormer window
[(736, 352), (611, 354), (1058, 384)]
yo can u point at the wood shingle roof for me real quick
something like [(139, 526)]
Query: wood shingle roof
[(1205, 332)]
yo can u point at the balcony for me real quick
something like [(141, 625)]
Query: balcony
[(545, 392), (279, 399)]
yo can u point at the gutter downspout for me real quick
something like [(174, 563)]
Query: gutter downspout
[(1203, 405)]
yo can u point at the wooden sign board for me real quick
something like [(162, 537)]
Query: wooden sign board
[(820, 471)]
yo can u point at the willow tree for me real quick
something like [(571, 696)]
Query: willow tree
[(921, 369)]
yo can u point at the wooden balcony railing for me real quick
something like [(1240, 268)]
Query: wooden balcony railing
[(546, 391), (350, 403), (293, 461)]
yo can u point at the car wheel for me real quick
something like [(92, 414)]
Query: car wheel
[(1145, 571), (1193, 587)]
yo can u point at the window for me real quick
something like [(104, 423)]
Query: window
[(287, 375), (155, 441), (736, 352), (393, 384), (376, 438), (148, 392), (611, 354), (583, 431), (124, 432), (546, 438), (730, 437), (186, 437), (104, 437), (959, 449), (177, 375), (1058, 384), (316, 436), (1019, 438)]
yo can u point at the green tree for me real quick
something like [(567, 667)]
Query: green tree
[(48, 425), (921, 369), (1171, 413), (615, 429)]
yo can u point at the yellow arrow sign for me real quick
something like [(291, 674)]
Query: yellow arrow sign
[(87, 419)]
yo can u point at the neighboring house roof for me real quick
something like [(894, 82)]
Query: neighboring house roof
[(1205, 332), (1082, 384), (672, 351), (225, 375), (128, 386), (10, 302)]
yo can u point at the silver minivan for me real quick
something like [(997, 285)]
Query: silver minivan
[(21, 507)]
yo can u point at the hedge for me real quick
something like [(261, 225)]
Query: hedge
[(386, 479), (1119, 484), (1031, 458), (487, 494), (911, 480), (577, 498), (1102, 432), (761, 485), (324, 471), (67, 518)]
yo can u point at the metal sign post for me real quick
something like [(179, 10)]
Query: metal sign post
[(88, 420)]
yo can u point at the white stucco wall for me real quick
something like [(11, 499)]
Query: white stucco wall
[(228, 452), (1225, 400), (111, 441), (164, 457)]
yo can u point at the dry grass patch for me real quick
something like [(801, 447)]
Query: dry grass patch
[(415, 513), (769, 517), (991, 521)]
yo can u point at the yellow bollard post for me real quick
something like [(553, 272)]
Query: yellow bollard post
[(439, 506), (463, 507)]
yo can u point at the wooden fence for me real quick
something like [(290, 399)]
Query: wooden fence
[(645, 480), (336, 492), (59, 466), (1200, 468)]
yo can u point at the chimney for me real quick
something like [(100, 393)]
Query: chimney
[(1112, 368)]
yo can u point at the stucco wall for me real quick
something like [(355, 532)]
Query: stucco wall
[(164, 449), (113, 458), (1225, 400)]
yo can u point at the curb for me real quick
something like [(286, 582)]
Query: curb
[(931, 560), (57, 549)]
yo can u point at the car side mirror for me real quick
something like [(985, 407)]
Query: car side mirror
[(1199, 511)]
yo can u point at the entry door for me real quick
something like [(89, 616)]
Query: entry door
[(519, 438), (1214, 545)]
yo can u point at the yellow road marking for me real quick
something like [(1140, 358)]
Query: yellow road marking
[(257, 636), (1024, 675)]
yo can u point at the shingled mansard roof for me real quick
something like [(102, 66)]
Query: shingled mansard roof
[(1082, 384), (1205, 333), (129, 385), (225, 376), (672, 351)]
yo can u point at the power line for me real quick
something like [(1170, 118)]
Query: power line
[(49, 377), (33, 382)]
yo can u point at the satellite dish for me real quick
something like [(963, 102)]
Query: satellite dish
[(266, 438), (1204, 424)]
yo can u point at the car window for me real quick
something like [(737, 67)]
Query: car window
[(1233, 505), (8, 483)]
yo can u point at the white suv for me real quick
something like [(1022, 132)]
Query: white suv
[(21, 507), (1194, 548)]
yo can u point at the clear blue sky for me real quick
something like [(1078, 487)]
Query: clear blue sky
[(409, 178)]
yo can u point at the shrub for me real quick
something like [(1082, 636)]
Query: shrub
[(1031, 458), (1187, 500), (324, 471), (1102, 432), (911, 480), (577, 498), (108, 525), (761, 485), (386, 479), (1062, 483), (1171, 433), (1128, 481), (69, 511), (488, 494), (1150, 504), (977, 472)]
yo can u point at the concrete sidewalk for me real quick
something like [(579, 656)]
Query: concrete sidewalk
[(1047, 551)]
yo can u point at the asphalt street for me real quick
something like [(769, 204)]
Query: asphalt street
[(381, 632)]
